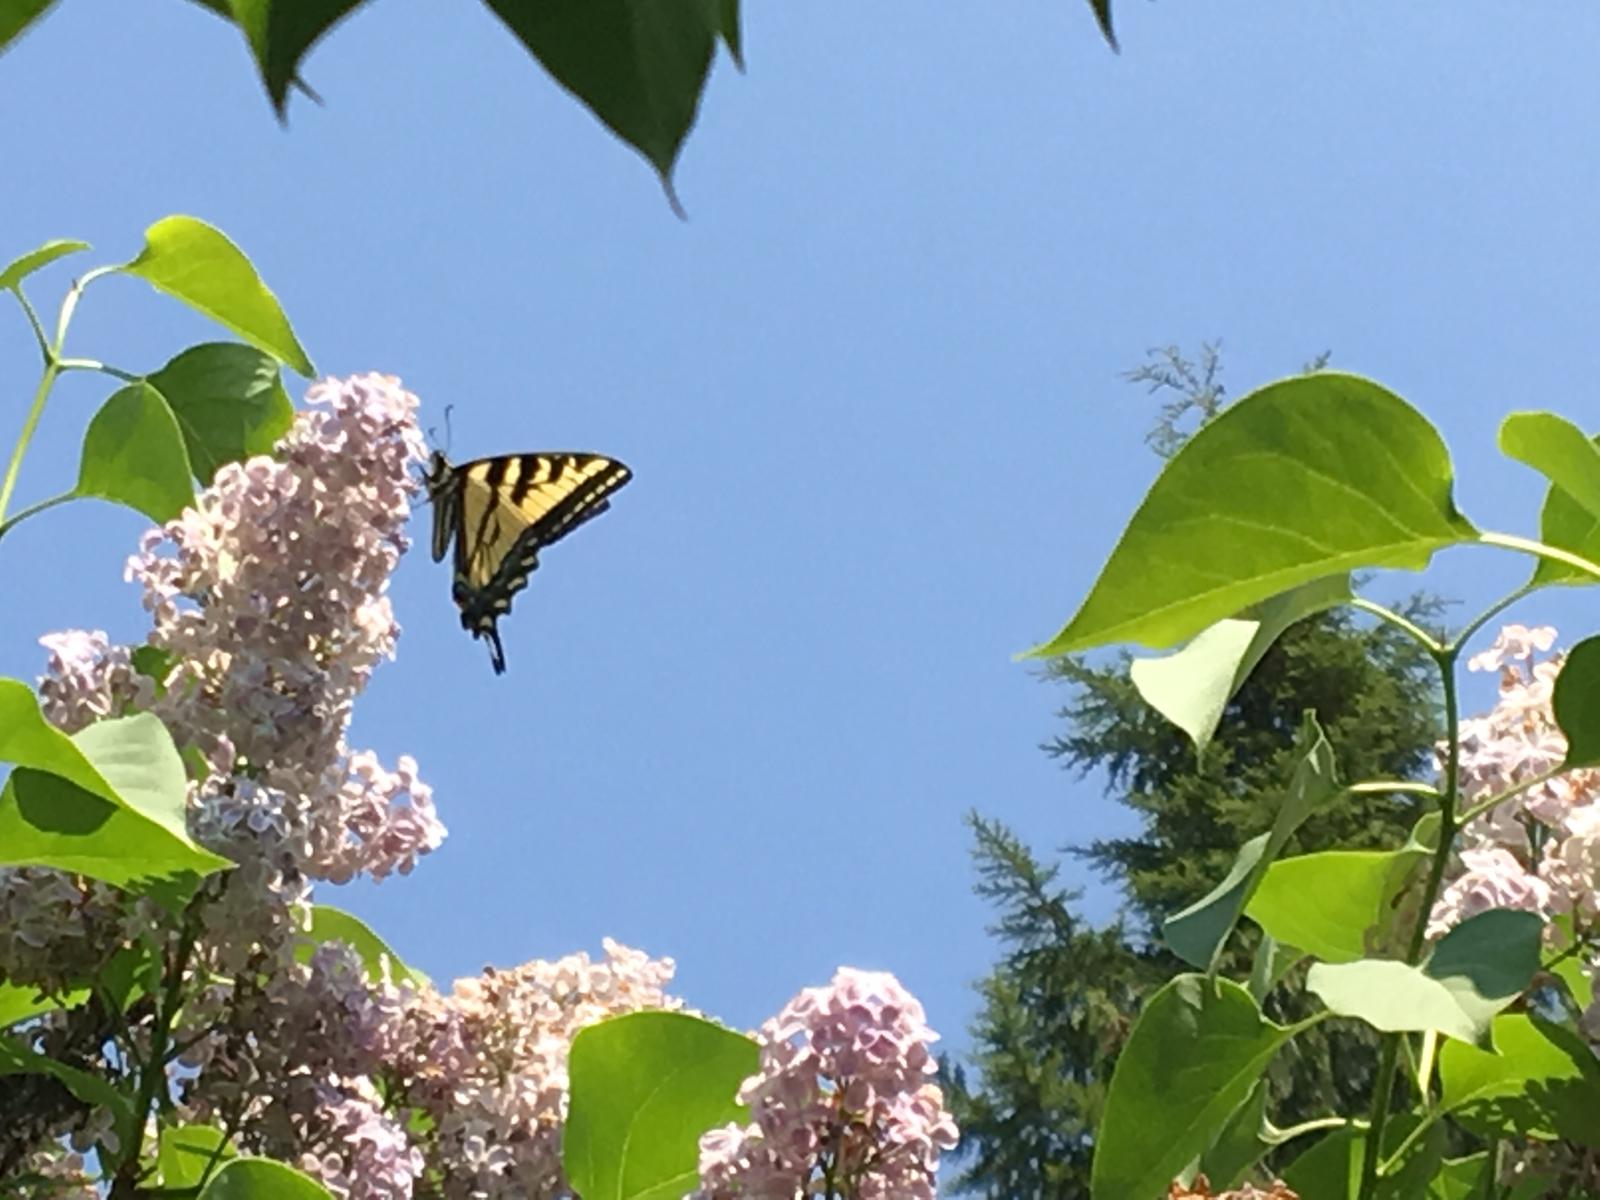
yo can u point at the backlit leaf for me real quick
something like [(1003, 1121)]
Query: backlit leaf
[(20, 268), (229, 403), (133, 454)]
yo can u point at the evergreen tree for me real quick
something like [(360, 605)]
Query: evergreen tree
[(1060, 1002)]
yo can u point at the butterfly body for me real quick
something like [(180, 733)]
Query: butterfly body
[(499, 512)]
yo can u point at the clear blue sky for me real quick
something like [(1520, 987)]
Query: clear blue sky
[(870, 391)]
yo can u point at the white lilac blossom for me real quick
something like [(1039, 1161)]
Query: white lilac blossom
[(843, 1102)]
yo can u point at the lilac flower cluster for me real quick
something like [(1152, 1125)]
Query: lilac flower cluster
[(843, 1104)]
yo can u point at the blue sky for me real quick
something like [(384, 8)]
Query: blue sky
[(870, 392)]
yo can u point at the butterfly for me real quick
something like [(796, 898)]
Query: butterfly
[(499, 513)]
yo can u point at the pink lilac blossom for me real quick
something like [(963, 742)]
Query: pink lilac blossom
[(366, 1154), (843, 1097)]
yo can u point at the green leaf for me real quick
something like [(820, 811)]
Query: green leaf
[(17, 1059), (639, 65), (1240, 1144), (1102, 16), (1198, 933), (1567, 525), (17, 15), (1477, 969), (18, 1003), (330, 924), (728, 25), (188, 1152), (1543, 1082), (229, 403), (1331, 1169), (262, 1179), (1575, 700), (282, 32), (108, 802), (1460, 1178), (1192, 687), (1310, 477), (1558, 450), (1197, 1049), (20, 268), (133, 454), (644, 1087), (192, 262), (1328, 903), (1272, 962)]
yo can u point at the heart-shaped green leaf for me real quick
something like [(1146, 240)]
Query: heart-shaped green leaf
[(1477, 969), (1197, 1049), (644, 1088), (20, 268), (1198, 933), (1327, 903), (1312, 477), (1558, 450), (1575, 701), (639, 65), (229, 403), (1193, 686), (133, 454), (192, 262)]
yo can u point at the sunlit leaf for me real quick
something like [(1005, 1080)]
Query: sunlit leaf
[(1192, 687), (20, 268), (188, 1152), (644, 1088), (194, 263), (1543, 1082), (1331, 1168), (1328, 903), (1198, 933), (1197, 1049), (262, 1179), (133, 454), (1314, 476), (330, 924), (1567, 525), (229, 403), (18, 1003), (1477, 969), (1558, 450)]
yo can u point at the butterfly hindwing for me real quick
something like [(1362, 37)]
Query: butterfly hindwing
[(500, 512)]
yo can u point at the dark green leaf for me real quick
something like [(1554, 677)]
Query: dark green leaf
[(192, 262), (1559, 451), (1192, 687), (1198, 933), (229, 403), (1272, 962), (108, 803), (1198, 1048), (153, 663), (644, 1088), (262, 1179), (19, 269), (1575, 701), (1102, 16), (1331, 1169), (1307, 478), (728, 17), (282, 32), (1240, 1144), (18, 1059), (1542, 1082), (133, 454), (330, 924), (639, 65), (1477, 969), (188, 1152), (17, 15)]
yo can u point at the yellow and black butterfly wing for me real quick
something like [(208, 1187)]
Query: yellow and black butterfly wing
[(500, 512)]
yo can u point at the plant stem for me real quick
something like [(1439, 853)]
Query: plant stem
[(32, 509), (1383, 1094), (1488, 614), (1406, 624), (1511, 541), (92, 364)]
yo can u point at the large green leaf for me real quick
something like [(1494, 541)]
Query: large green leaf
[(1567, 525), (1327, 904), (1197, 1049), (644, 1087), (330, 924), (731, 29), (639, 65), (1543, 1082), (281, 32), (1477, 969), (189, 1152), (1198, 933), (194, 263), (107, 802), (20, 268), (133, 454), (1559, 451), (1575, 701), (229, 403), (1192, 687), (1311, 477), (262, 1179)]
